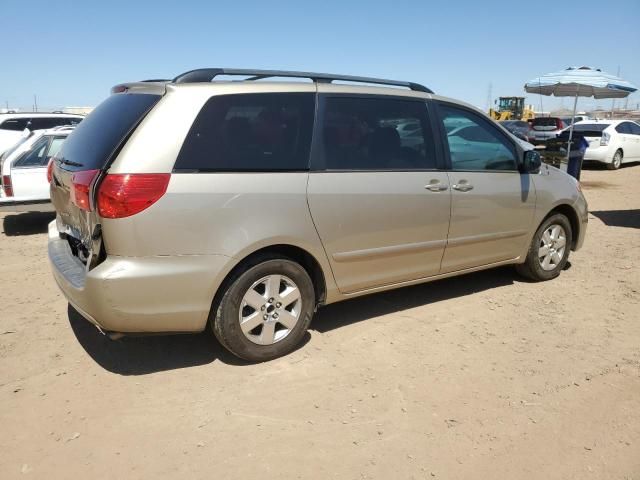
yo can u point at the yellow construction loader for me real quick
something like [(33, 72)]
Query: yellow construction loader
[(511, 108)]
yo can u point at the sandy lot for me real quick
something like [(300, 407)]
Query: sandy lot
[(483, 376)]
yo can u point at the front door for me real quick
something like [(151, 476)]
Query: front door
[(492, 203), (377, 198)]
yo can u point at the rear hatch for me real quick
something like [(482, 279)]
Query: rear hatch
[(591, 132), (545, 124), (81, 163), (545, 128)]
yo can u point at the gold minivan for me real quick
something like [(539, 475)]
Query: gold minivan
[(245, 205)]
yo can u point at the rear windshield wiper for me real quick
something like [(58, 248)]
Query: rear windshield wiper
[(69, 162)]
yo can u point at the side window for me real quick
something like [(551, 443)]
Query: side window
[(55, 146), (14, 124), (250, 132), (43, 123), (475, 144), (635, 128), (623, 127), (35, 157), (376, 134)]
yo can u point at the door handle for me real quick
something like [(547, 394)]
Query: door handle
[(436, 187), (462, 186)]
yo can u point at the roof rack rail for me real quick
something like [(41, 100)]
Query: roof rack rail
[(208, 74)]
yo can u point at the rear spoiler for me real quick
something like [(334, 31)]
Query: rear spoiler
[(157, 87)]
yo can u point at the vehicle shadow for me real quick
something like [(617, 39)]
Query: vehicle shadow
[(588, 165), (141, 355), (619, 218), (29, 223), (341, 314)]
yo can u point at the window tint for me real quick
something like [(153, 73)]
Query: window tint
[(250, 132), (623, 127), (35, 157), (475, 144), (15, 124), (590, 127), (376, 134), (42, 123), (634, 128), (95, 138)]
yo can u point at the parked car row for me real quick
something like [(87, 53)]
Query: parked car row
[(610, 142), (14, 125)]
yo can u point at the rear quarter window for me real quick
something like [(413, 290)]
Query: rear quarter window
[(14, 124), (250, 132), (42, 123)]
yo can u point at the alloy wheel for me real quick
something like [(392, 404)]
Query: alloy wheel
[(270, 309), (552, 247)]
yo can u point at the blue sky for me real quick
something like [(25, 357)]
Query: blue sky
[(70, 53)]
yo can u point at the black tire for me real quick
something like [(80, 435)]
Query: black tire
[(224, 317), (616, 161), (532, 267)]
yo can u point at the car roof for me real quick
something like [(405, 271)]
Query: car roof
[(4, 116)]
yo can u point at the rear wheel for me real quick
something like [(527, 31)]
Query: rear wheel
[(265, 310), (616, 161), (549, 250)]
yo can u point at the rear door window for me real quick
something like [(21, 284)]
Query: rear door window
[(96, 138), (623, 127), (376, 134), (258, 132), (634, 128)]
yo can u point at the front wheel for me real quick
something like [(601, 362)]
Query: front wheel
[(549, 250), (265, 310)]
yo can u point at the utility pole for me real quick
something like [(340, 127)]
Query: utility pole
[(613, 101), (35, 103), (489, 99)]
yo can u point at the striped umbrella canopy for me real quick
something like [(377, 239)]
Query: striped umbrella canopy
[(580, 82)]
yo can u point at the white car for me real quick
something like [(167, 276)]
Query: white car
[(612, 142), (12, 125), (25, 183)]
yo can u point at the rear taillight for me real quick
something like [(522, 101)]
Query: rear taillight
[(123, 195), (81, 188), (50, 170), (559, 124), (604, 140), (7, 185)]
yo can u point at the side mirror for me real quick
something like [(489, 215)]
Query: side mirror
[(532, 162)]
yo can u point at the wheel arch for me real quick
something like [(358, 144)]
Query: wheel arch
[(569, 212), (283, 250)]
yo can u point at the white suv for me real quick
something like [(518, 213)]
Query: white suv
[(12, 125)]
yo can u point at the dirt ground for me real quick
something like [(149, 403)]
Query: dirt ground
[(482, 376)]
